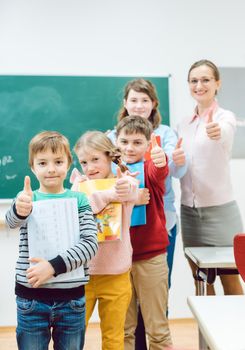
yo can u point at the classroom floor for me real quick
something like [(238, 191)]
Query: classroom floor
[(184, 334)]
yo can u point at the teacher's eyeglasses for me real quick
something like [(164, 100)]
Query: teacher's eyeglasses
[(203, 81)]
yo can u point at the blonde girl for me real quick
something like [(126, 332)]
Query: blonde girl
[(109, 270)]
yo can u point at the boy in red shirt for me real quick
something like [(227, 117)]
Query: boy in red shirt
[(149, 275)]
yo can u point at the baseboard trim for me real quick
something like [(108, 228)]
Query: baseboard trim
[(96, 324)]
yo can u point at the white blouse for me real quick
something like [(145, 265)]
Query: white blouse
[(207, 181)]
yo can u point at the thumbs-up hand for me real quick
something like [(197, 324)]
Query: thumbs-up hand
[(213, 129), (122, 186), (157, 154), (23, 202), (178, 154)]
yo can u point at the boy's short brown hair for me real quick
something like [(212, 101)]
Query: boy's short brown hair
[(135, 125), (49, 140)]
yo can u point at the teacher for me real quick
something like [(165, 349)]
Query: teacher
[(209, 212)]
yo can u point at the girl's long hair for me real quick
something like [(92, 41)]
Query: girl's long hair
[(97, 140), (145, 86)]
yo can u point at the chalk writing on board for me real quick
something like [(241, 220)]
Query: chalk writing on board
[(4, 160), (10, 177)]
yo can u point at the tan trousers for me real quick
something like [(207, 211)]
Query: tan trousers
[(149, 280)]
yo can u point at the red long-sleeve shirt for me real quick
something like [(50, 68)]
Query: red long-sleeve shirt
[(151, 239)]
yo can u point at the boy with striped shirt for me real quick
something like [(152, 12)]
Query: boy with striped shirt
[(43, 305)]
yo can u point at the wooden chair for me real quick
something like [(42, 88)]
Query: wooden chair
[(239, 253)]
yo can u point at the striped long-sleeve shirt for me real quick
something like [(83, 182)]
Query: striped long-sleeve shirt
[(69, 260)]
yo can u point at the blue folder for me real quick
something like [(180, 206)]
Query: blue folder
[(138, 216)]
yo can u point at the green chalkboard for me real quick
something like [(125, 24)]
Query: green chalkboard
[(68, 104)]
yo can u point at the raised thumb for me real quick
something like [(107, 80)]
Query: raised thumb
[(178, 144), (27, 185), (153, 140), (119, 173), (210, 116)]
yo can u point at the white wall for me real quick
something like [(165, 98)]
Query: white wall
[(126, 37)]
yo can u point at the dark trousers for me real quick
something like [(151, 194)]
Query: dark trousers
[(140, 338)]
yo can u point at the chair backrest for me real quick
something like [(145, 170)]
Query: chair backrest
[(239, 253)]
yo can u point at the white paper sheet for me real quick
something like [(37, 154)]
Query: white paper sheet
[(53, 227)]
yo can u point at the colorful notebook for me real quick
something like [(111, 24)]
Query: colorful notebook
[(109, 220)]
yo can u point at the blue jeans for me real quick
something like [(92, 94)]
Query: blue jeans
[(37, 318)]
